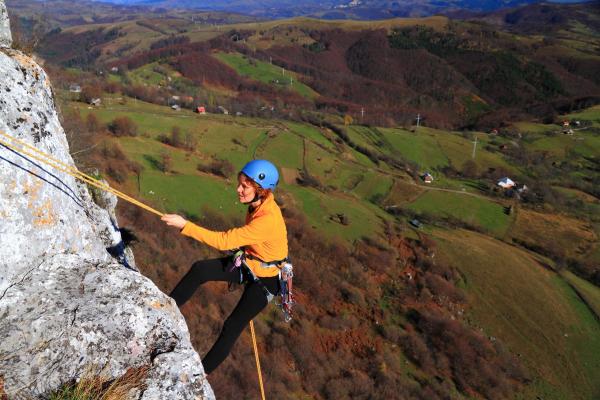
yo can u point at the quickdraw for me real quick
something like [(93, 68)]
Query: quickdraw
[(286, 273)]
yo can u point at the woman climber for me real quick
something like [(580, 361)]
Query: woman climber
[(262, 248)]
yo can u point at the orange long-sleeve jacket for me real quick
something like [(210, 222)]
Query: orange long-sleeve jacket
[(264, 236)]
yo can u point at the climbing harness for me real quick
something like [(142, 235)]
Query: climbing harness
[(25, 148), (286, 273)]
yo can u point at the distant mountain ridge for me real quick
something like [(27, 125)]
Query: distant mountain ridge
[(339, 9)]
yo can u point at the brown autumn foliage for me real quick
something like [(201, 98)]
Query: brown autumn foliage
[(203, 68), (123, 126), (343, 340)]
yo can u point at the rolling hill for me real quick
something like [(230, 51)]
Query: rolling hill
[(490, 294), (337, 9)]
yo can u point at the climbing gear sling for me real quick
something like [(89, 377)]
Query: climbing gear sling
[(286, 273)]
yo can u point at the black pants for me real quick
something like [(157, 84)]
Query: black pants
[(252, 302)]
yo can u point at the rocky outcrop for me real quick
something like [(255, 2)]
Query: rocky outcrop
[(71, 298), (5, 36)]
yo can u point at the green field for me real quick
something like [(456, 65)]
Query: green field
[(532, 311), (592, 114), (266, 73), (311, 133), (433, 149), (285, 149), (588, 291), (365, 220), (583, 144), (472, 210)]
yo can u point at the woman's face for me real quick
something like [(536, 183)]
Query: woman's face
[(245, 190)]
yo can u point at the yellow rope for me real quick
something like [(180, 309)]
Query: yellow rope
[(47, 159), (260, 381), (70, 170)]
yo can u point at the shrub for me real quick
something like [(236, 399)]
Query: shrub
[(92, 123), (94, 386), (123, 126), (165, 163), (90, 92), (218, 167)]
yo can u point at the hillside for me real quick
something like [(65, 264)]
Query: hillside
[(475, 73), (450, 289), (336, 9), (367, 241)]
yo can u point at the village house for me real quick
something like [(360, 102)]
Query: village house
[(427, 177), (201, 110), (75, 88), (506, 183), (96, 102)]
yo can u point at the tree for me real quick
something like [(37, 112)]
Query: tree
[(348, 119), (176, 136), (90, 92), (92, 123), (190, 141), (123, 126), (470, 169), (166, 162)]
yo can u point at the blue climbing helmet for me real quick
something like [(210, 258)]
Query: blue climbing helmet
[(263, 172)]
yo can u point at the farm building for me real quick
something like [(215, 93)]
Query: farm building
[(96, 102), (201, 110), (175, 107), (416, 223), (75, 88), (506, 183), (427, 177), (223, 110)]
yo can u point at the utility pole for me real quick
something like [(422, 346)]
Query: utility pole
[(474, 147), (418, 119)]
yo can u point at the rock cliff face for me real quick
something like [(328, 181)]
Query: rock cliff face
[(71, 297), (5, 36)]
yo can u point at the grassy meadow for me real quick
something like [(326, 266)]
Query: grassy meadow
[(532, 310), (266, 73)]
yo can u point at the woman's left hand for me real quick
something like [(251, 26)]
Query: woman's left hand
[(174, 220)]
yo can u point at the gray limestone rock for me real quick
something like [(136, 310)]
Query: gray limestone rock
[(5, 35), (70, 295)]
